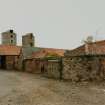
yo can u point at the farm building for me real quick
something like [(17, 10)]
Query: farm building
[(46, 62), (9, 55), (86, 62), (26, 53)]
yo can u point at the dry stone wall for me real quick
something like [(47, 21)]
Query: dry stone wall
[(84, 68)]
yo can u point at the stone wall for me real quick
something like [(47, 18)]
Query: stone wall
[(12, 62), (48, 68), (9, 38), (53, 69), (20, 61), (84, 68), (28, 40), (34, 65)]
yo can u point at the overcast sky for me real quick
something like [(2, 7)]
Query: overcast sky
[(55, 23)]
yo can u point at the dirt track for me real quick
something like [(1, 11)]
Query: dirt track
[(18, 88)]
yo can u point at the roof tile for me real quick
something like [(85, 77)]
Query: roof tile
[(9, 50)]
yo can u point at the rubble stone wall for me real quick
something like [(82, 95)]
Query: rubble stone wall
[(28, 40), (12, 62), (83, 68), (33, 65), (48, 68), (53, 69)]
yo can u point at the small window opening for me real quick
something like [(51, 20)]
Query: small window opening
[(11, 36), (11, 31), (31, 35), (11, 41), (31, 44)]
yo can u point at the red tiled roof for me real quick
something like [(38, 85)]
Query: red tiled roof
[(9, 50), (48, 51), (39, 54), (59, 52), (97, 48)]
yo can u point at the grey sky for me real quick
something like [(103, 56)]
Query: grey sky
[(55, 23)]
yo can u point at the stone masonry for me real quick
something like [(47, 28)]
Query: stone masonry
[(28, 40), (84, 68), (9, 38), (53, 69)]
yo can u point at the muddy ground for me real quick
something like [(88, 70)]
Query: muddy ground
[(17, 88)]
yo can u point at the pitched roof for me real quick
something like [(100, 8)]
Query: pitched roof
[(75, 52), (45, 52), (94, 48), (9, 50), (39, 54), (59, 52)]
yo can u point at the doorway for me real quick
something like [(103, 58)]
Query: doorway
[(2, 62), (42, 69)]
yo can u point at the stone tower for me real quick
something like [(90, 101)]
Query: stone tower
[(28, 40), (9, 38)]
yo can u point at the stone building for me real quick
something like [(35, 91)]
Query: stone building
[(46, 61), (85, 63), (28, 40), (25, 54), (9, 55), (27, 49), (50, 61), (9, 38), (37, 66), (48, 67)]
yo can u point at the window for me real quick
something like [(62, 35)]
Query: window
[(31, 44), (11, 31), (11, 41), (31, 35), (11, 36)]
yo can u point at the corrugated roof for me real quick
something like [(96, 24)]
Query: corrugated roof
[(9, 50)]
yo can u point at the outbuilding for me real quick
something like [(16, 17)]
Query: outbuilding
[(9, 55)]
